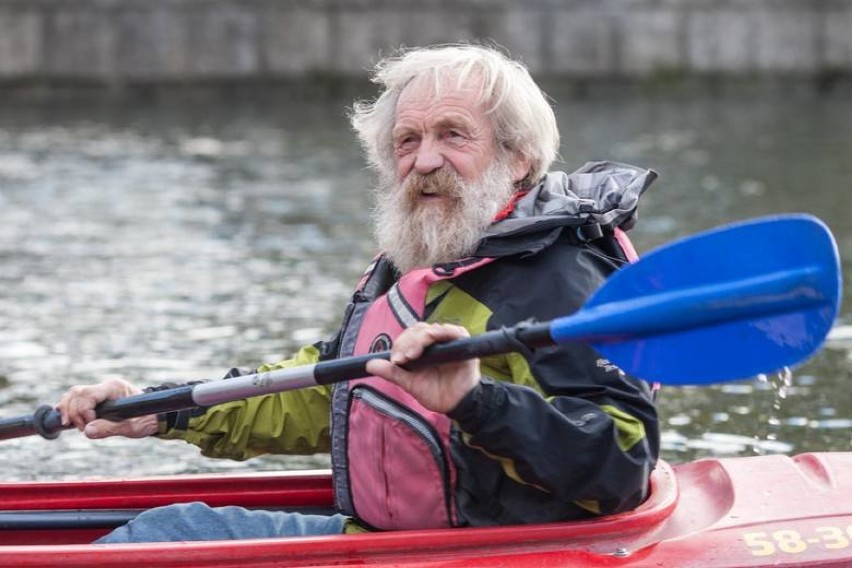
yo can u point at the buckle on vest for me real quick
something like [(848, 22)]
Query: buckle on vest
[(449, 268), (443, 269)]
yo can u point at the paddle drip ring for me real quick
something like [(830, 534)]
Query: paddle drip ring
[(40, 427)]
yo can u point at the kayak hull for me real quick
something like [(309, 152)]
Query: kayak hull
[(756, 511)]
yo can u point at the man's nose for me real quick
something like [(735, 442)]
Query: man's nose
[(429, 157)]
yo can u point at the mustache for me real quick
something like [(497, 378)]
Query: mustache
[(444, 182)]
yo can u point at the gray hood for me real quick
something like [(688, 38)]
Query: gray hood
[(603, 192)]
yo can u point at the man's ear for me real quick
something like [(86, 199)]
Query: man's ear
[(520, 166)]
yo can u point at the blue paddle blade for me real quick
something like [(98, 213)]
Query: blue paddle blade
[(726, 304)]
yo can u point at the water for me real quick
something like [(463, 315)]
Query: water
[(173, 241), (780, 384)]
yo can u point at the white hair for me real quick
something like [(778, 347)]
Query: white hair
[(522, 119)]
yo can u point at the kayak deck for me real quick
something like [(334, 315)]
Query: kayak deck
[(770, 510)]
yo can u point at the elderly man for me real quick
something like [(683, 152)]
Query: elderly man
[(475, 235)]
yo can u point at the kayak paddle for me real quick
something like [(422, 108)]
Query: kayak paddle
[(726, 304)]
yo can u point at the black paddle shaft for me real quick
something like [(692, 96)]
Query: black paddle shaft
[(519, 337), (47, 422)]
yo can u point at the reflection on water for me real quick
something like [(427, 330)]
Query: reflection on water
[(172, 242)]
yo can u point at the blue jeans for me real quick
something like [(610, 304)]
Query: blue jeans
[(197, 521)]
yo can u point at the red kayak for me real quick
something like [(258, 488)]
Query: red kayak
[(755, 511)]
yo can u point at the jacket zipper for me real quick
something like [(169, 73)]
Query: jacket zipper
[(423, 430)]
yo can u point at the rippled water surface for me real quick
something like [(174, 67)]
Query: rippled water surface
[(172, 241)]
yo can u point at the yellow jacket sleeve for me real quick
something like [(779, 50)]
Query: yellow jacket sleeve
[(291, 422)]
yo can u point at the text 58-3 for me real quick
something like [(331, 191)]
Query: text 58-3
[(789, 541)]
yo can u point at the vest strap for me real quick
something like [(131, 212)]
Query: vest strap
[(400, 308)]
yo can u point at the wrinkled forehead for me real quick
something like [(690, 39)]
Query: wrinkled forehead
[(437, 84)]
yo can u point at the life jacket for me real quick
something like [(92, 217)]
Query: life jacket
[(395, 471), (626, 245)]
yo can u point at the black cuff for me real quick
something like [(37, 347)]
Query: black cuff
[(179, 418), (477, 406)]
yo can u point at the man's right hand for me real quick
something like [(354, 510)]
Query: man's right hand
[(77, 407)]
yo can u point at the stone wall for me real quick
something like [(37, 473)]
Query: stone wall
[(126, 42)]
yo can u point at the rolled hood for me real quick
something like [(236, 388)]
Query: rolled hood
[(606, 193)]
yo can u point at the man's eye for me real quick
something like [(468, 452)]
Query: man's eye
[(455, 136), (407, 143)]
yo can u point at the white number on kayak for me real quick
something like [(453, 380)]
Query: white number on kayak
[(789, 541)]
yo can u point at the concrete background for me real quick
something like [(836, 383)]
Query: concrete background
[(121, 43)]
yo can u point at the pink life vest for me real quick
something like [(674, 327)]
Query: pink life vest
[(626, 246), (394, 468), (401, 473)]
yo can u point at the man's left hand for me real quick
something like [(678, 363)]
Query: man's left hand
[(440, 387)]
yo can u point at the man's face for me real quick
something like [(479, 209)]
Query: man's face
[(452, 177), (432, 131)]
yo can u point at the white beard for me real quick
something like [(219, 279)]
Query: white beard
[(416, 233)]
